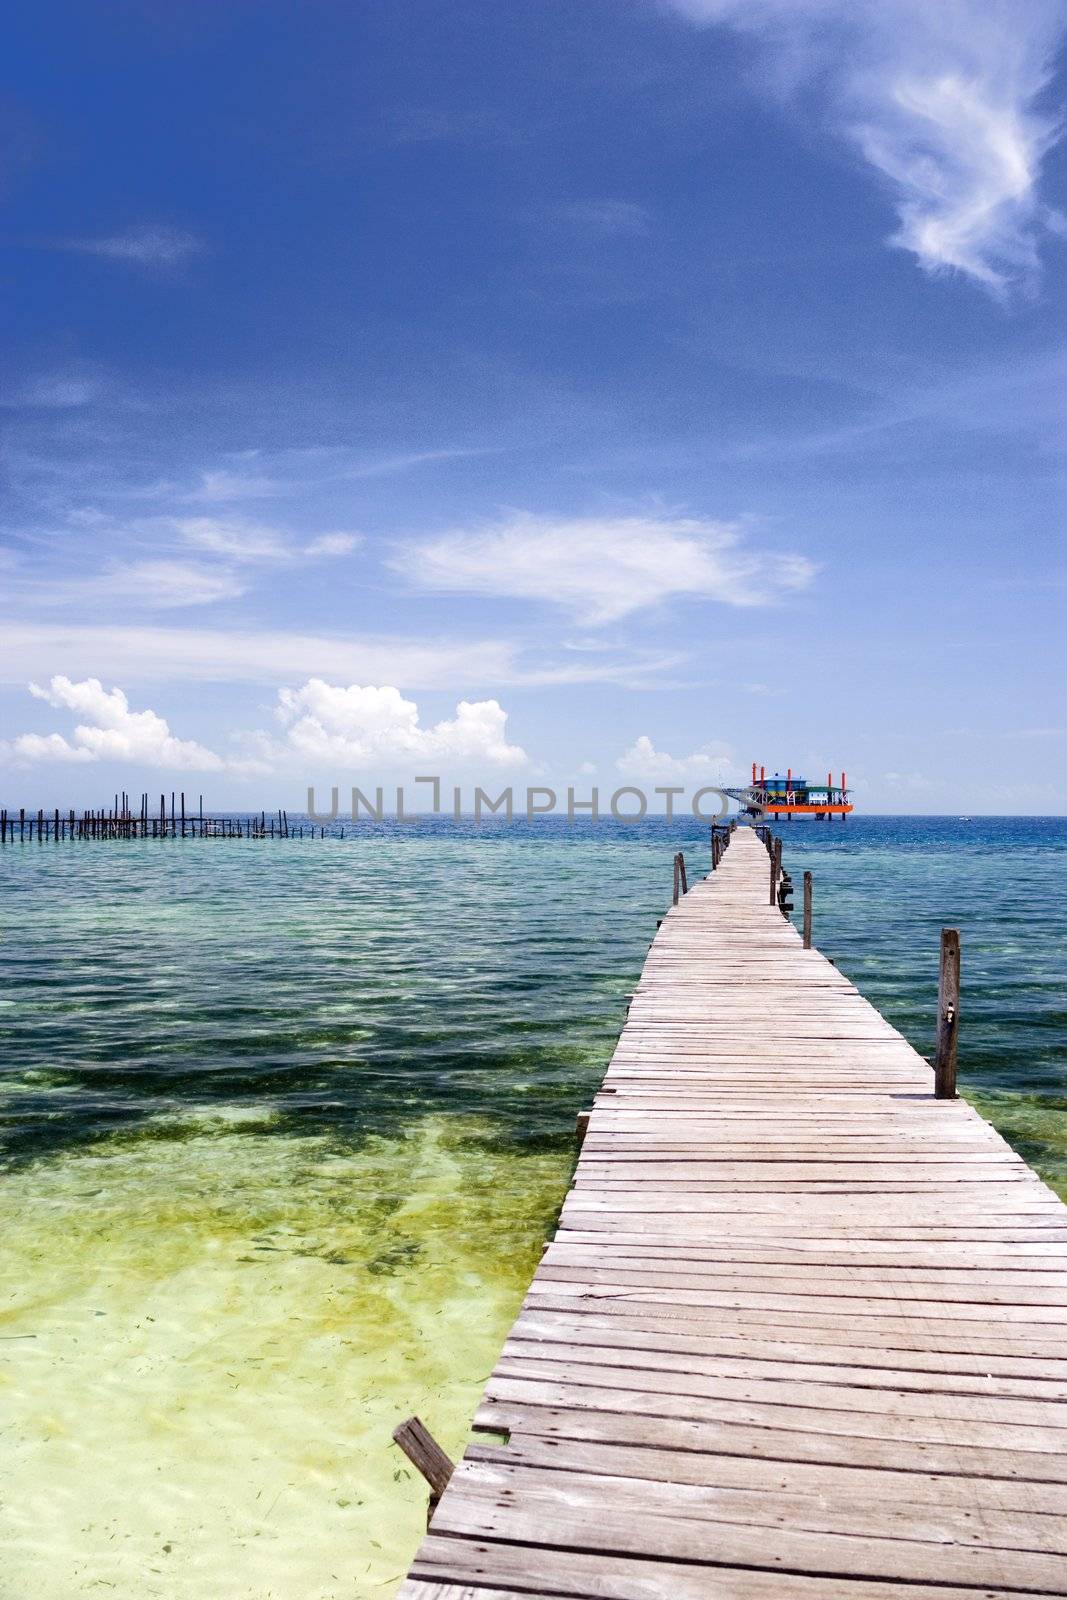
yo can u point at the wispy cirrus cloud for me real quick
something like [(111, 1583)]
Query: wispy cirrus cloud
[(601, 569), (276, 656), (151, 585), (243, 541), (942, 100), (143, 246), (602, 219), (226, 486), (53, 392)]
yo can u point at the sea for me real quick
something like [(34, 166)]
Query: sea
[(286, 1122)]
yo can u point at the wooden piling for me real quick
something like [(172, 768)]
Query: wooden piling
[(948, 1015), (423, 1451), (807, 910)]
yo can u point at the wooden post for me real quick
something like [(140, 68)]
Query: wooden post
[(807, 910), (776, 866), (681, 872), (581, 1126), (423, 1451), (948, 1015), (676, 881)]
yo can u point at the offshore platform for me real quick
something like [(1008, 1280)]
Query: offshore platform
[(792, 797)]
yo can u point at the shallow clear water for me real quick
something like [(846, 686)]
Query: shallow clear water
[(286, 1122)]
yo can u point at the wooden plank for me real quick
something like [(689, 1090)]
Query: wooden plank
[(453, 1569), (676, 1522)]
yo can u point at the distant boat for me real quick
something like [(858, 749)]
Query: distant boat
[(964, 819)]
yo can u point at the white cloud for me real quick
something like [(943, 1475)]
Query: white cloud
[(712, 764), (343, 727), (603, 219), (236, 539), (266, 656), (239, 540), (604, 568), (58, 393), (910, 783), (139, 585), (222, 485), (333, 544), (941, 98), (161, 585), (356, 725), (143, 246), (112, 732)]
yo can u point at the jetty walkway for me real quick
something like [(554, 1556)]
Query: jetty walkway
[(803, 1329)]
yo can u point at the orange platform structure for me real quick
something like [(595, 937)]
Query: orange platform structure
[(791, 796)]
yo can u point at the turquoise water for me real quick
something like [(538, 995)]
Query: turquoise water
[(286, 1122)]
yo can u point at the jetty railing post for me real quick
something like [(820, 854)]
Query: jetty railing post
[(948, 1015), (807, 910), (776, 869), (681, 873), (677, 882)]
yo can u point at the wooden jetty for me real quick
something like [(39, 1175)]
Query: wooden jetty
[(122, 822), (802, 1329)]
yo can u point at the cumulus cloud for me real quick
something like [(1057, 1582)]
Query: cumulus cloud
[(356, 725), (343, 727), (142, 246), (111, 731), (942, 99), (604, 568), (711, 764)]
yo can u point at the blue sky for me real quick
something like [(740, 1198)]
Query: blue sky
[(517, 391)]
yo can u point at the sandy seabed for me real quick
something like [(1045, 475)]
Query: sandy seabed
[(208, 1332)]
